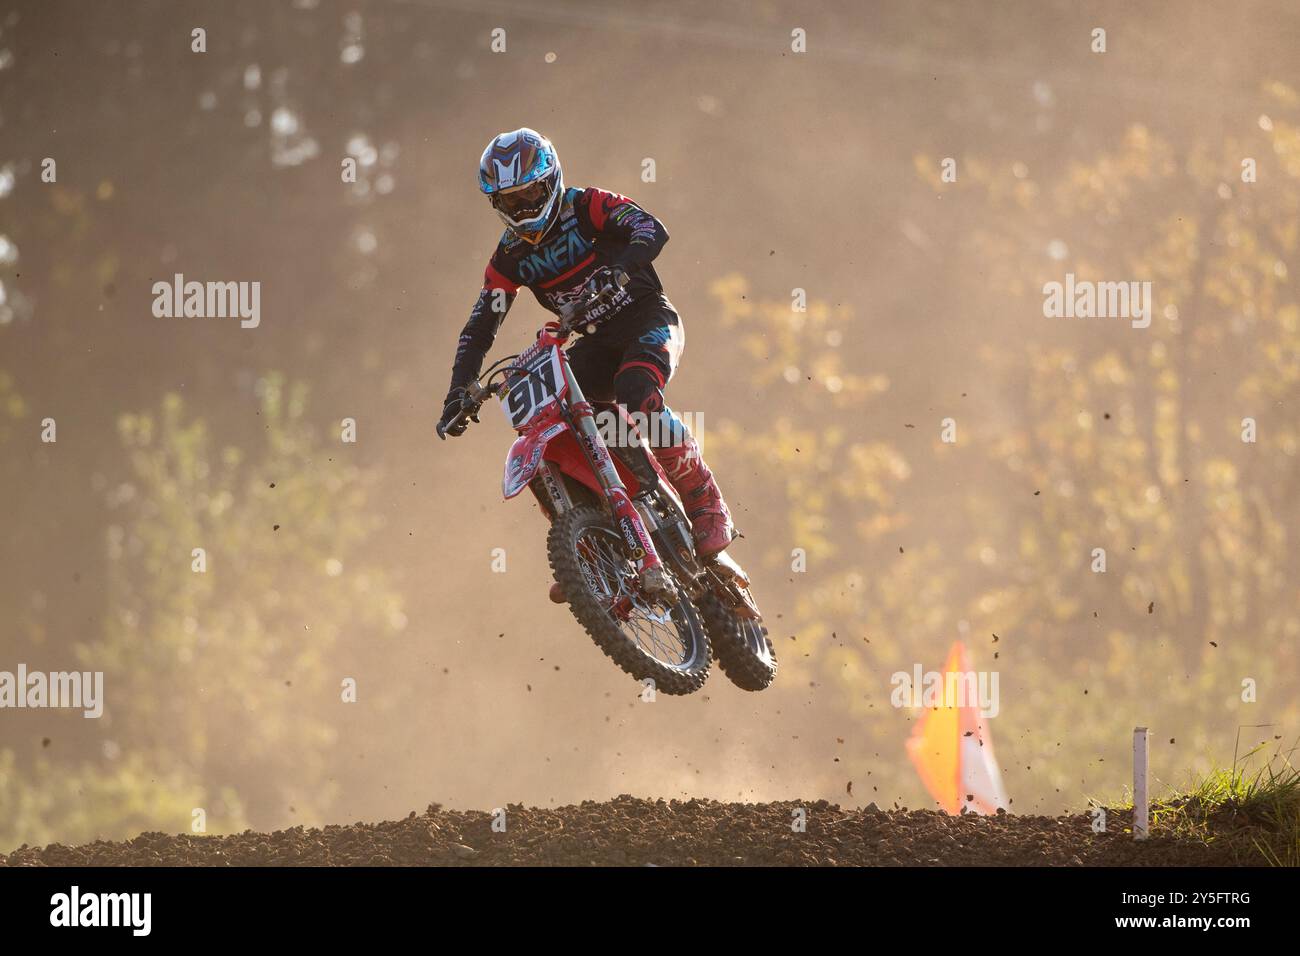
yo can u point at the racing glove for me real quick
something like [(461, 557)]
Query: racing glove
[(450, 409)]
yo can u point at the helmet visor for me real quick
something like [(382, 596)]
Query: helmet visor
[(524, 202)]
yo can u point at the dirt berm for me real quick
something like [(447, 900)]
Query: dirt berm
[(628, 831)]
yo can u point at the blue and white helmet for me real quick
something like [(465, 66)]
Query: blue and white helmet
[(520, 173)]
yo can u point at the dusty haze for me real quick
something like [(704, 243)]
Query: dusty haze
[(774, 171)]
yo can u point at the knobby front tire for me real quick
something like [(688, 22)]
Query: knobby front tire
[(669, 646)]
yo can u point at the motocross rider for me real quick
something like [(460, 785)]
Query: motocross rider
[(561, 243)]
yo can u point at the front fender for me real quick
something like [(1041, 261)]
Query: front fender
[(524, 457)]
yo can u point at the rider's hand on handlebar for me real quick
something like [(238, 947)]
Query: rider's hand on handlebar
[(449, 425)]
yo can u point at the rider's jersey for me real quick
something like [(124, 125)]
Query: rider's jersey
[(595, 228)]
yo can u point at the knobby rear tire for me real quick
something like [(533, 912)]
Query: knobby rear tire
[(736, 645), (561, 545)]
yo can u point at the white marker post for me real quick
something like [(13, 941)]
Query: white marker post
[(1141, 805)]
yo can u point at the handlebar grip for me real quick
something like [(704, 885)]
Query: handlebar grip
[(474, 397), (458, 419)]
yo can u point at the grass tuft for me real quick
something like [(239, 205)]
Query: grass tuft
[(1255, 814)]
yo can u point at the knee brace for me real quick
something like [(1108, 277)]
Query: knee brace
[(639, 389)]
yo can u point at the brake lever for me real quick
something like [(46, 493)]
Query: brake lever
[(471, 402)]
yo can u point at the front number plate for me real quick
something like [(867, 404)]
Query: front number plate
[(537, 384)]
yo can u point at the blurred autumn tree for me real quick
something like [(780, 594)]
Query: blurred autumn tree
[(197, 651), (1107, 436), (1139, 432)]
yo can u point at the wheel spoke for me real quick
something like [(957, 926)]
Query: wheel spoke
[(659, 633)]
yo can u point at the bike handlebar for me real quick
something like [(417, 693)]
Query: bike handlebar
[(473, 399), (475, 393)]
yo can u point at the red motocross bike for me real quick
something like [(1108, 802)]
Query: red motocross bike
[(620, 543)]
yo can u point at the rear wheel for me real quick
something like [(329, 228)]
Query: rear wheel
[(744, 651), (665, 643)]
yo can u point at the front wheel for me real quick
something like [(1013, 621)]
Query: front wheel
[(666, 644)]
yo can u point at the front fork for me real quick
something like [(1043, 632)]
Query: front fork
[(627, 518)]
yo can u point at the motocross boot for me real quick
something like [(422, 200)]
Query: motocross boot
[(656, 582), (710, 519)]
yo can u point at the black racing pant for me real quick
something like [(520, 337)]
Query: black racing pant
[(631, 360)]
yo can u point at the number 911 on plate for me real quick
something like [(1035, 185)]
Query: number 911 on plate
[(537, 382)]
